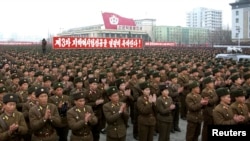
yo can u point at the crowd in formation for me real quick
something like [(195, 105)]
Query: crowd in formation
[(45, 95)]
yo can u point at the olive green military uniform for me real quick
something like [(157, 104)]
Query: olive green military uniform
[(7, 120), (222, 113), (194, 114), (116, 129), (15, 118), (81, 131), (91, 97), (44, 129), (208, 110), (63, 128), (183, 80), (240, 108), (164, 117)]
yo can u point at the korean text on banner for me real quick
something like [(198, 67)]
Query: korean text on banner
[(96, 43)]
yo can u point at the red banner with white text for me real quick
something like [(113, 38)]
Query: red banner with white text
[(96, 43), (160, 44)]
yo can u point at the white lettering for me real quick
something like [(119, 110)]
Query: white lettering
[(216, 132)]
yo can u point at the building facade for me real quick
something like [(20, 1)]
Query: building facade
[(181, 35), (241, 21), (204, 18)]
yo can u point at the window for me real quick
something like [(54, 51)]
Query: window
[(236, 13), (236, 20), (236, 35)]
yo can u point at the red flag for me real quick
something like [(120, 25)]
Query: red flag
[(111, 20)]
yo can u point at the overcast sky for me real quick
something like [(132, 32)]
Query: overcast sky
[(40, 17)]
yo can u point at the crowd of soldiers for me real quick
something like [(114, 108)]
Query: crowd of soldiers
[(44, 96)]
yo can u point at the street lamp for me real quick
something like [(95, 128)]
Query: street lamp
[(238, 28)]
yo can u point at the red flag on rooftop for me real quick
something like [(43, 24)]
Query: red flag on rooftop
[(111, 20)]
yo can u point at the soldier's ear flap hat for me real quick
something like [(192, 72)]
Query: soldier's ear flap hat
[(40, 91), (112, 90), (78, 95), (222, 91), (10, 98), (144, 85)]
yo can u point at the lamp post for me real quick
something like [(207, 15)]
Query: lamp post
[(238, 28)]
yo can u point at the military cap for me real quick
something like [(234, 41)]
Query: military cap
[(235, 77), (32, 89), (65, 74), (41, 90), (207, 67), (3, 89), (32, 69), (58, 85), (54, 65), (194, 70), (10, 98), (194, 84), (222, 91), (247, 92), (208, 80), (39, 73), (25, 70), (233, 71), (78, 95), (1, 81), (47, 78), (173, 75), (246, 76), (93, 80), (133, 72), (121, 73), (140, 75), (238, 92), (161, 68), (173, 66), (119, 81), (183, 68), (207, 73), (13, 71), (78, 70), (112, 90), (46, 66), (144, 85), (13, 76), (163, 87), (102, 76), (21, 63), (246, 69), (78, 79), (90, 72), (22, 81), (156, 74), (215, 70)]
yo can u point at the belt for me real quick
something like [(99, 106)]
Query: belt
[(81, 133), (44, 134)]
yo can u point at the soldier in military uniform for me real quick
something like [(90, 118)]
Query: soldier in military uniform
[(22, 93), (31, 75), (26, 107), (146, 105), (81, 118), (239, 107), (246, 83), (95, 99), (218, 79), (210, 93), (68, 85), (38, 81), (63, 103), (183, 80), (14, 86), (44, 117), (3, 91), (154, 85), (195, 103), (12, 123), (165, 105), (223, 113), (47, 81), (124, 92), (237, 84), (174, 92), (116, 115)]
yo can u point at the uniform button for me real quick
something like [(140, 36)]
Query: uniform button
[(115, 129)]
